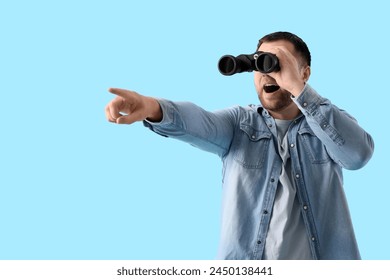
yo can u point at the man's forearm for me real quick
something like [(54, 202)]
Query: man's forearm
[(185, 121), (347, 143)]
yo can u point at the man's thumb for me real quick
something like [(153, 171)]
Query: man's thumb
[(127, 119)]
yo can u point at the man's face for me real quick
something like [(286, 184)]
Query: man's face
[(272, 97)]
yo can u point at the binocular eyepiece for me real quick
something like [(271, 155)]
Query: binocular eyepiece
[(263, 62)]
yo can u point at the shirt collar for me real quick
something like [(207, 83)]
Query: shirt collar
[(262, 111)]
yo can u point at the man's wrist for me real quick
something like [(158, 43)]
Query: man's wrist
[(155, 112), (298, 89)]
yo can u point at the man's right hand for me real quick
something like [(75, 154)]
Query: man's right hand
[(128, 107)]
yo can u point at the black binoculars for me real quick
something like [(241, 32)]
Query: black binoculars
[(263, 62)]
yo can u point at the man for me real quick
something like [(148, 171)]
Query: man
[(283, 192)]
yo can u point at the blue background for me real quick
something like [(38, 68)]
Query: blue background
[(73, 186)]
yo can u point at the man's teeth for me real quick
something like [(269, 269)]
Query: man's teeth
[(270, 88)]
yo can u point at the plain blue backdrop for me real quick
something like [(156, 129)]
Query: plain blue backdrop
[(73, 186)]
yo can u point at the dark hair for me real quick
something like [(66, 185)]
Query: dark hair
[(299, 45)]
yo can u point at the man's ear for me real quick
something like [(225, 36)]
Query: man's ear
[(306, 71)]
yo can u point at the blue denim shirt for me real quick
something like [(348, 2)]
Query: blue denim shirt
[(322, 141)]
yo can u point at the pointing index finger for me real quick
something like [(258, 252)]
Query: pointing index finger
[(120, 92)]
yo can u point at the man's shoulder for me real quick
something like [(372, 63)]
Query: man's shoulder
[(250, 114), (249, 109)]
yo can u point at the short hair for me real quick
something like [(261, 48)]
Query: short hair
[(299, 45)]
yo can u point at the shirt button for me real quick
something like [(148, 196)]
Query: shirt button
[(297, 176), (272, 180), (253, 137), (304, 104), (258, 241), (313, 238), (292, 145), (270, 125), (305, 207), (265, 212)]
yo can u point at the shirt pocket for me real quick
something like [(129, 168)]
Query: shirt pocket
[(251, 147), (313, 146)]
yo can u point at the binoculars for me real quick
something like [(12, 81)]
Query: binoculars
[(263, 62)]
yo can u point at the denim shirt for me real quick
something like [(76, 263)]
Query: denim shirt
[(322, 141)]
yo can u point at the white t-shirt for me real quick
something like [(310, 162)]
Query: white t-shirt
[(287, 238)]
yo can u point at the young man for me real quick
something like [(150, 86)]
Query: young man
[(283, 192)]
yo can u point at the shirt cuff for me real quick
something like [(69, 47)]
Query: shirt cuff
[(167, 113), (309, 100)]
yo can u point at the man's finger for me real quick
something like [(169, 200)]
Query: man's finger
[(124, 93), (108, 115), (114, 112), (127, 119), (113, 109)]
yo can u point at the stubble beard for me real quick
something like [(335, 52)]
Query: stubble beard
[(277, 103)]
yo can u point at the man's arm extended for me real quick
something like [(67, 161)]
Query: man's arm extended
[(185, 121)]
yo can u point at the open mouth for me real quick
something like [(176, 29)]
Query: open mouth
[(269, 88)]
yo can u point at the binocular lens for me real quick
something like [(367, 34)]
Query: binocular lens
[(260, 61), (227, 65), (267, 63)]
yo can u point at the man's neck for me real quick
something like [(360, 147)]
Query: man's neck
[(288, 113)]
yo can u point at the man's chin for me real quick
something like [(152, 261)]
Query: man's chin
[(276, 104), (273, 97)]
